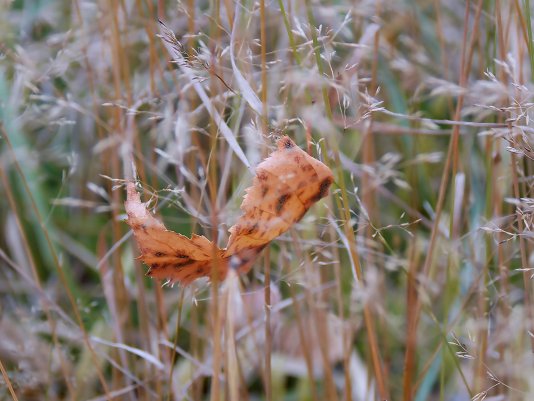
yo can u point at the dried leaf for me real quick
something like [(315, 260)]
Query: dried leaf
[(286, 185), (169, 255)]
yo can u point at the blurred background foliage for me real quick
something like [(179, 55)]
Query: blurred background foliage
[(412, 280)]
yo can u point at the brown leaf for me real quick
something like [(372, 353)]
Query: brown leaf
[(286, 185), (169, 255)]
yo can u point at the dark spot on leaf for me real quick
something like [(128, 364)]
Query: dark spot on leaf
[(183, 264), (288, 143), (262, 175), (281, 202), (253, 229), (160, 254), (323, 189), (181, 256), (186, 277), (264, 190)]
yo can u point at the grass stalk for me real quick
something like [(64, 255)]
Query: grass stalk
[(267, 263), (8, 382)]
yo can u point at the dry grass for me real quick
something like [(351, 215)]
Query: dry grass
[(411, 281)]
